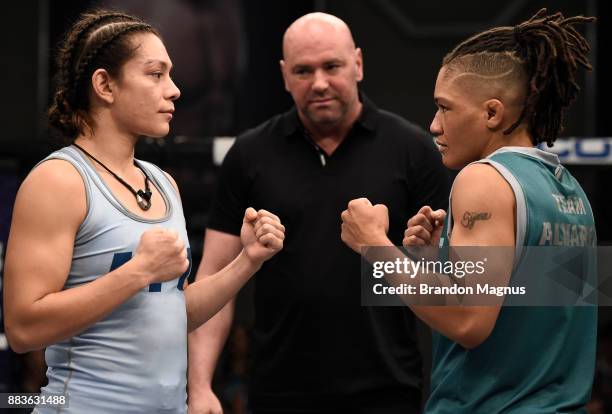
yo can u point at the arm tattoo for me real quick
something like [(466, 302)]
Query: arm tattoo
[(470, 217)]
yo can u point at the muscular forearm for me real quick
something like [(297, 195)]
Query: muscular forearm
[(205, 345), (466, 325), (208, 295), (60, 315), (469, 326)]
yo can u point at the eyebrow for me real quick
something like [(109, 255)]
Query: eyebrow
[(164, 65), (299, 67), (332, 61)]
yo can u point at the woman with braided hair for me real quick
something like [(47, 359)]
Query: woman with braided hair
[(498, 94), (98, 252)]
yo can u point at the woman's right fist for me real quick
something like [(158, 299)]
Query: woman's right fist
[(161, 255), (424, 228), (262, 234)]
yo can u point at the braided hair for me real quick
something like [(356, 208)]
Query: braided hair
[(546, 50), (98, 39)]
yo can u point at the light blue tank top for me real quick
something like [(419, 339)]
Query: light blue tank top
[(135, 359)]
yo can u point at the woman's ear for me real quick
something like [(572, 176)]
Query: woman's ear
[(102, 85), (495, 113)]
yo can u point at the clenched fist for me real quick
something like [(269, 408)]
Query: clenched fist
[(364, 224), (161, 255), (262, 235), (424, 228)]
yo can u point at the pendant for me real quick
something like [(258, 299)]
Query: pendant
[(143, 201)]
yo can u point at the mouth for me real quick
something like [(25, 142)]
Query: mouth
[(169, 113), (321, 101), (441, 147)]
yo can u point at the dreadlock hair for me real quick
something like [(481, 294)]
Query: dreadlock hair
[(545, 51), (98, 39)]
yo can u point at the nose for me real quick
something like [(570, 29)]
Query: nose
[(436, 126), (320, 83), (173, 91)]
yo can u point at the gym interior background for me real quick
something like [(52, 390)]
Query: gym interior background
[(226, 54)]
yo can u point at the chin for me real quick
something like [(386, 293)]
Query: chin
[(452, 164), (325, 119), (158, 133)]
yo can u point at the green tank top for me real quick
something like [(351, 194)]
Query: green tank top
[(537, 359)]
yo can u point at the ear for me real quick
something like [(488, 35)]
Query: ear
[(283, 68), (102, 85), (495, 113), (359, 64)]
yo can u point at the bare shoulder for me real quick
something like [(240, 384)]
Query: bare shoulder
[(483, 208), (55, 176), (54, 190), (482, 184)]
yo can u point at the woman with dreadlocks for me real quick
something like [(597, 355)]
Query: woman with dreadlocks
[(498, 94), (95, 269)]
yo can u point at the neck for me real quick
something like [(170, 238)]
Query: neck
[(114, 151), (518, 138), (112, 145), (330, 136)]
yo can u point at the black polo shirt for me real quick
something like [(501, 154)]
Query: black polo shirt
[(315, 346)]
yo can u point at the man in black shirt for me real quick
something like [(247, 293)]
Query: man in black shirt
[(316, 349)]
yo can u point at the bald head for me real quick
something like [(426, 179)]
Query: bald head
[(313, 29), (321, 68)]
